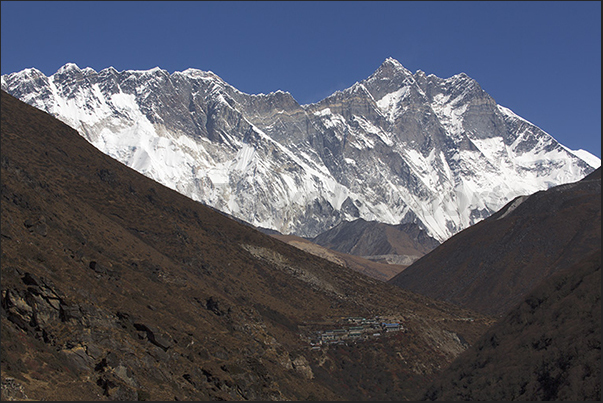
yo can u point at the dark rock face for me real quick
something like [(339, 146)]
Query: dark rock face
[(396, 147), (363, 238)]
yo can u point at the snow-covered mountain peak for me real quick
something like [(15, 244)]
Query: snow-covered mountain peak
[(279, 92), (461, 80), (31, 72), (460, 76), (392, 63), (155, 71), (208, 76), (420, 74), (390, 70), (23, 75), (394, 148), (108, 71), (67, 68)]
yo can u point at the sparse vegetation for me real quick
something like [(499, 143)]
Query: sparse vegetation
[(131, 288), (115, 287), (546, 348)]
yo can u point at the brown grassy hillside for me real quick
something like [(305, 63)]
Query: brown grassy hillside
[(117, 288), (546, 348), (377, 270), (492, 265)]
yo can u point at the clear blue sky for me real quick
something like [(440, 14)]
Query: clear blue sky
[(541, 59)]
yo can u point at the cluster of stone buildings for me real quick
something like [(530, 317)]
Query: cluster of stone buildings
[(356, 329)]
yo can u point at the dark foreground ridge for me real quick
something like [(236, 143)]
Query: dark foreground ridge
[(117, 288), (547, 348), (491, 266), (537, 264)]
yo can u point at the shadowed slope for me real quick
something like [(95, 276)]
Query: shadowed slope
[(492, 265), (372, 239), (116, 287), (546, 348)]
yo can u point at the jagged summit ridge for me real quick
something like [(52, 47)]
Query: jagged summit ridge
[(396, 147)]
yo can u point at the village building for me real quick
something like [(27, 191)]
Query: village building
[(390, 327), (355, 332), (363, 330)]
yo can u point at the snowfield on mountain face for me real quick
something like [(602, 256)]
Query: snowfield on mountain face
[(389, 103), (396, 147), (587, 157)]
